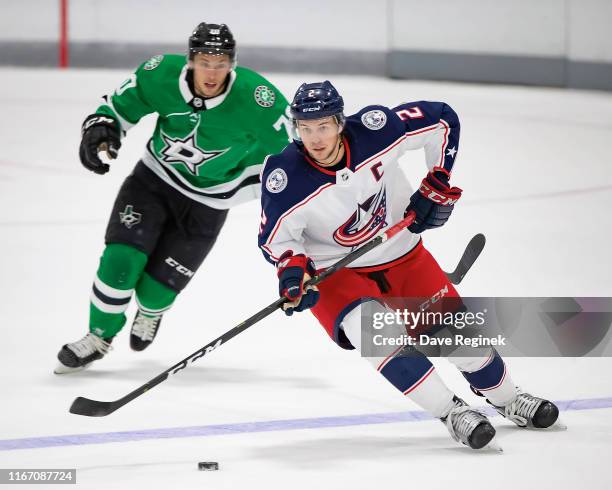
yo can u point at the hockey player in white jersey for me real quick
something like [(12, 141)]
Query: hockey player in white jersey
[(337, 186)]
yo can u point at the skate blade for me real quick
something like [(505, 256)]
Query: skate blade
[(558, 425), (494, 446), (62, 369)]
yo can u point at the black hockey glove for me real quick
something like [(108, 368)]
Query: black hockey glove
[(99, 133), (433, 203)]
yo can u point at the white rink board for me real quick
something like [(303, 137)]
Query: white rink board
[(535, 168)]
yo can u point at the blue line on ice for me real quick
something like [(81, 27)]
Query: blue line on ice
[(250, 427)]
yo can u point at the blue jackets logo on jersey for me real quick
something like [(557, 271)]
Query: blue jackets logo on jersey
[(374, 120), (277, 181), (365, 223)]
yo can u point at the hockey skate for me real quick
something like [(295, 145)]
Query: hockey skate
[(469, 426), (80, 354), (530, 411), (144, 330)]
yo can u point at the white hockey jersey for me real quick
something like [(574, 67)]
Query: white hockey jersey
[(307, 209)]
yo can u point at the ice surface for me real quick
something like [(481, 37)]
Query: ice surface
[(535, 168)]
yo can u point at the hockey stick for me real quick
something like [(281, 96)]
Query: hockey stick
[(94, 408), (471, 253)]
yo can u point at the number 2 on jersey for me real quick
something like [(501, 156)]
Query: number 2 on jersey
[(411, 113)]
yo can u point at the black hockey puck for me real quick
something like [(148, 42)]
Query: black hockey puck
[(208, 466)]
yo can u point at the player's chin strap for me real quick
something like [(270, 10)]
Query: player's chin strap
[(94, 408), (333, 160)]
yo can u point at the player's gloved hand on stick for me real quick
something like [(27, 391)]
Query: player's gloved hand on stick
[(99, 133), (433, 203), (293, 271)]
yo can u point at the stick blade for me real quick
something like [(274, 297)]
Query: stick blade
[(479, 241), (92, 408), (472, 251)]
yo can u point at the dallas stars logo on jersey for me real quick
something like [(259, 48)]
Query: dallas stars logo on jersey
[(264, 96), (212, 153), (129, 217), (186, 151)]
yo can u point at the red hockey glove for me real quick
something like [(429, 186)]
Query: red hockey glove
[(293, 271), (433, 203)]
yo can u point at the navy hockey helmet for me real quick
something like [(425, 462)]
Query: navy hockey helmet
[(212, 39), (316, 101)]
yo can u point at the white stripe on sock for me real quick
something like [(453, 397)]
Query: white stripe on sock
[(150, 311), (111, 292), (106, 308)]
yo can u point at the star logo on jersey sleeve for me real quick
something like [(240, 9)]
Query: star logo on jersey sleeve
[(451, 152), (186, 151)]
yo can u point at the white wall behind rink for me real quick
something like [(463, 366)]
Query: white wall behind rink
[(339, 24), (572, 29)]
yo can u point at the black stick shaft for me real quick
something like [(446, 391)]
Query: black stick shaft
[(471, 253), (93, 408)]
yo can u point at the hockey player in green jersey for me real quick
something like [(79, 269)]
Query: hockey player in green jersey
[(216, 123)]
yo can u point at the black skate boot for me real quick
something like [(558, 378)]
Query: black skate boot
[(144, 330), (80, 354), (530, 411), (468, 426)]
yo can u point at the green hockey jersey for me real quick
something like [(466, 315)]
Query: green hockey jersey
[(212, 149)]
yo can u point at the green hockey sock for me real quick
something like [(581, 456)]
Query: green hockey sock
[(153, 297), (121, 267)]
